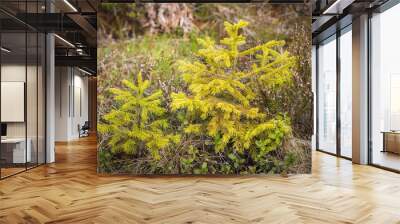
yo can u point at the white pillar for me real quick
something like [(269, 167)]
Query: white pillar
[(50, 99), (360, 90)]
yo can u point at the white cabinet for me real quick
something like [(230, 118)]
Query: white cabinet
[(19, 155)]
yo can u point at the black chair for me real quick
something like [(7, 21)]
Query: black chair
[(84, 130)]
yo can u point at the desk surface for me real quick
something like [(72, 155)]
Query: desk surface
[(390, 132), (13, 140)]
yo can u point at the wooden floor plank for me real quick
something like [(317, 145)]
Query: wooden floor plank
[(70, 191)]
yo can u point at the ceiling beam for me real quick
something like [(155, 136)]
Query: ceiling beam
[(206, 1), (49, 22), (77, 61), (84, 24), (337, 7)]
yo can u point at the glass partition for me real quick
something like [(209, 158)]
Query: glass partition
[(22, 89), (327, 95), (31, 98), (385, 89), (41, 96), (346, 92), (13, 94)]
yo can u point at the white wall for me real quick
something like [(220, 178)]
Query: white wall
[(71, 103), (33, 126), (62, 81), (16, 73), (80, 109)]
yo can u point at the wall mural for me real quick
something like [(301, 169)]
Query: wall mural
[(204, 89)]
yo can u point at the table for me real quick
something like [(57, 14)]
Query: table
[(391, 141)]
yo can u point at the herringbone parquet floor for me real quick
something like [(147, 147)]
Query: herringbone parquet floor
[(70, 191)]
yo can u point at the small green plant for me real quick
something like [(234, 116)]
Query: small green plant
[(224, 85), (209, 113), (136, 125)]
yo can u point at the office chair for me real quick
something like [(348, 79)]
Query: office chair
[(84, 130)]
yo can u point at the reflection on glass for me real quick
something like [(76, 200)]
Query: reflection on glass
[(41, 99), (346, 93), (22, 90), (31, 97), (386, 89), (13, 86), (327, 96)]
